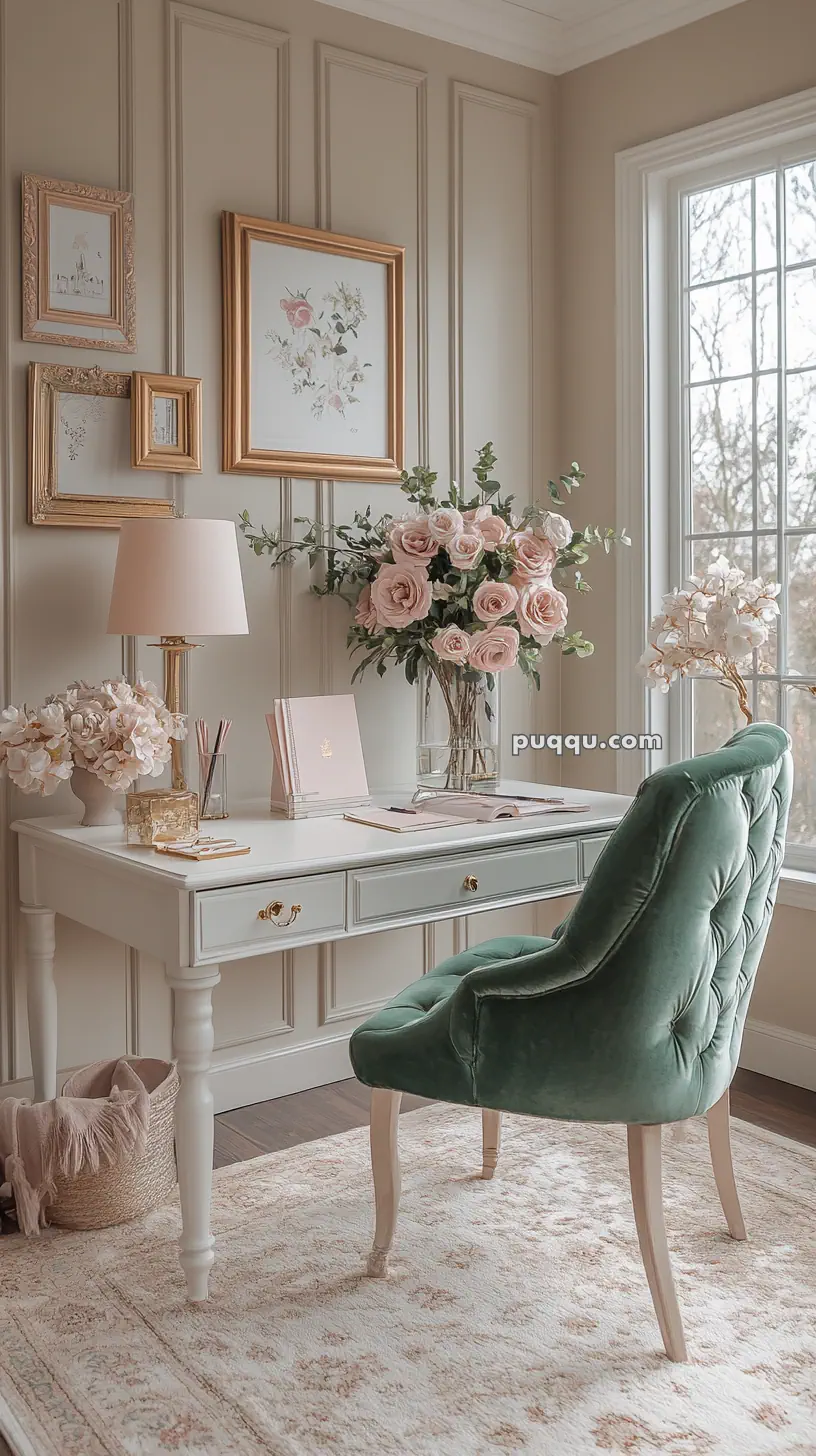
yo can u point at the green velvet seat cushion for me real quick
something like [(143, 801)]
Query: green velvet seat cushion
[(410, 1037)]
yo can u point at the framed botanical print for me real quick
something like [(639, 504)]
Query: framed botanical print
[(78, 283), (166, 413), (79, 471), (313, 352)]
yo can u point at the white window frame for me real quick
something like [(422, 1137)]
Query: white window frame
[(649, 182)]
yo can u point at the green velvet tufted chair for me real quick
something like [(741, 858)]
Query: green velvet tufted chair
[(633, 1012)]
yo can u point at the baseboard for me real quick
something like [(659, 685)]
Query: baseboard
[(240, 1083), (777, 1052), (276, 1074)]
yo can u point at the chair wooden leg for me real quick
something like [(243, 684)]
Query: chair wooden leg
[(718, 1118), (385, 1166), (491, 1141), (645, 1174)]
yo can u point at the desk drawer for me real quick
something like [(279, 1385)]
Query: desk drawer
[(228, 920), (591, 850), (462, 883)]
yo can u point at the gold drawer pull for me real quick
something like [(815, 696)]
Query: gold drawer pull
[(274, 909), (471, 883)]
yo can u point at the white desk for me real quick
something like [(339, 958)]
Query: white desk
[(348, 879)]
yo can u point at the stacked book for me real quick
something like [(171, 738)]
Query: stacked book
[(318, 766)]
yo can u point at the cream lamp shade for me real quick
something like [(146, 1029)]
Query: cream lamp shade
[(177, 577)]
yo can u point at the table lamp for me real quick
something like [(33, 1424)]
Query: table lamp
[(177, 577)]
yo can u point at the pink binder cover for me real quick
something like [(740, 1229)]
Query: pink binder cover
[(321, 747)]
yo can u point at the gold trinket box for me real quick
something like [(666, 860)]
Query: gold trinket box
[(153, 815)]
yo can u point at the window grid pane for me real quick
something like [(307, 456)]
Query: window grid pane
[(749, 434)]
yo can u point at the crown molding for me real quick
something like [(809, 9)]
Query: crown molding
[(516, 31)]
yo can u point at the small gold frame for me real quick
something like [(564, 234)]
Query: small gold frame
[(238, 232), (150, 453), (40, 194), (45, 504)]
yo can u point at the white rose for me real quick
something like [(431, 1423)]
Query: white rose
[(445, 523), (557, 530), (465, 550)]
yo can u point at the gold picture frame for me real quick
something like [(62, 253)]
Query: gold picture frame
[(290, 380), (79, 433), (166, 414), (78, 271)]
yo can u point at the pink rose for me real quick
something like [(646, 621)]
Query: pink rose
[(491, 527), (298, 311), (411, 541), (445, 523), (535, 557), (493, 600), (364, 613), (335, 402), (542, 610), (494, 649), (401, 595), (451, 644), (465, 550)]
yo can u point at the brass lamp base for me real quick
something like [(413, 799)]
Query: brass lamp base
[(174, 649)]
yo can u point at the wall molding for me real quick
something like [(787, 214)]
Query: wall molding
[(178, 16), (463, 94), (278, 1073), (530, 37), (775, 1051), (332, 56), (287, 1011), (8, 916)]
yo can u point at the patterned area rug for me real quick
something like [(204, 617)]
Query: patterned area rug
[(517, 1317)]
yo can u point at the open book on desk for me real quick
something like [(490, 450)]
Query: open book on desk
[(485, 808), (445, 811)]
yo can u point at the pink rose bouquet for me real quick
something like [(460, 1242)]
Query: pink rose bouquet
[(461, 584)]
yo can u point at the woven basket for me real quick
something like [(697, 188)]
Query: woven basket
[(129, 1188)]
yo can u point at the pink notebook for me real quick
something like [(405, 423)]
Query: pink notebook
[(318, 753)]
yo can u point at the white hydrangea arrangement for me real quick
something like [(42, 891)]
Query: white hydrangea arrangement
[(119, 732), (709, 628)]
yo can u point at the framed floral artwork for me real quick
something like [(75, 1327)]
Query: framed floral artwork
[(166, 413), (79, 471), (313, 352), (78, 285)]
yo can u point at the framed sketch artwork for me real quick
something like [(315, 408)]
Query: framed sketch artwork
[(166, 422), (79, 471), (313, 352), (78, 284)]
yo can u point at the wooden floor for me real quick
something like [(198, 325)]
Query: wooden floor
[(269, 1126)]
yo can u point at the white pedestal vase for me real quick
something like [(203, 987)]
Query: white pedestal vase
[(102, 806)]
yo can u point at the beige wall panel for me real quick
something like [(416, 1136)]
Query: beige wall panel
[(359, 975), (253, 1002), (230, 153), (496, 187)]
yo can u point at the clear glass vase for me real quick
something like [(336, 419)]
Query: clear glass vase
[(458, 728)]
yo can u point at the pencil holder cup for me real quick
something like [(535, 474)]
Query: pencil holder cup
[(212, 778)]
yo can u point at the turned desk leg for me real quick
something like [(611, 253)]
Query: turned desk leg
[(41, 995), (192, 1046)]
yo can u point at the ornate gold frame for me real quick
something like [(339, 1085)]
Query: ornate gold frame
[(146, 455), (238, 232), (40, 194), (46, 507)]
